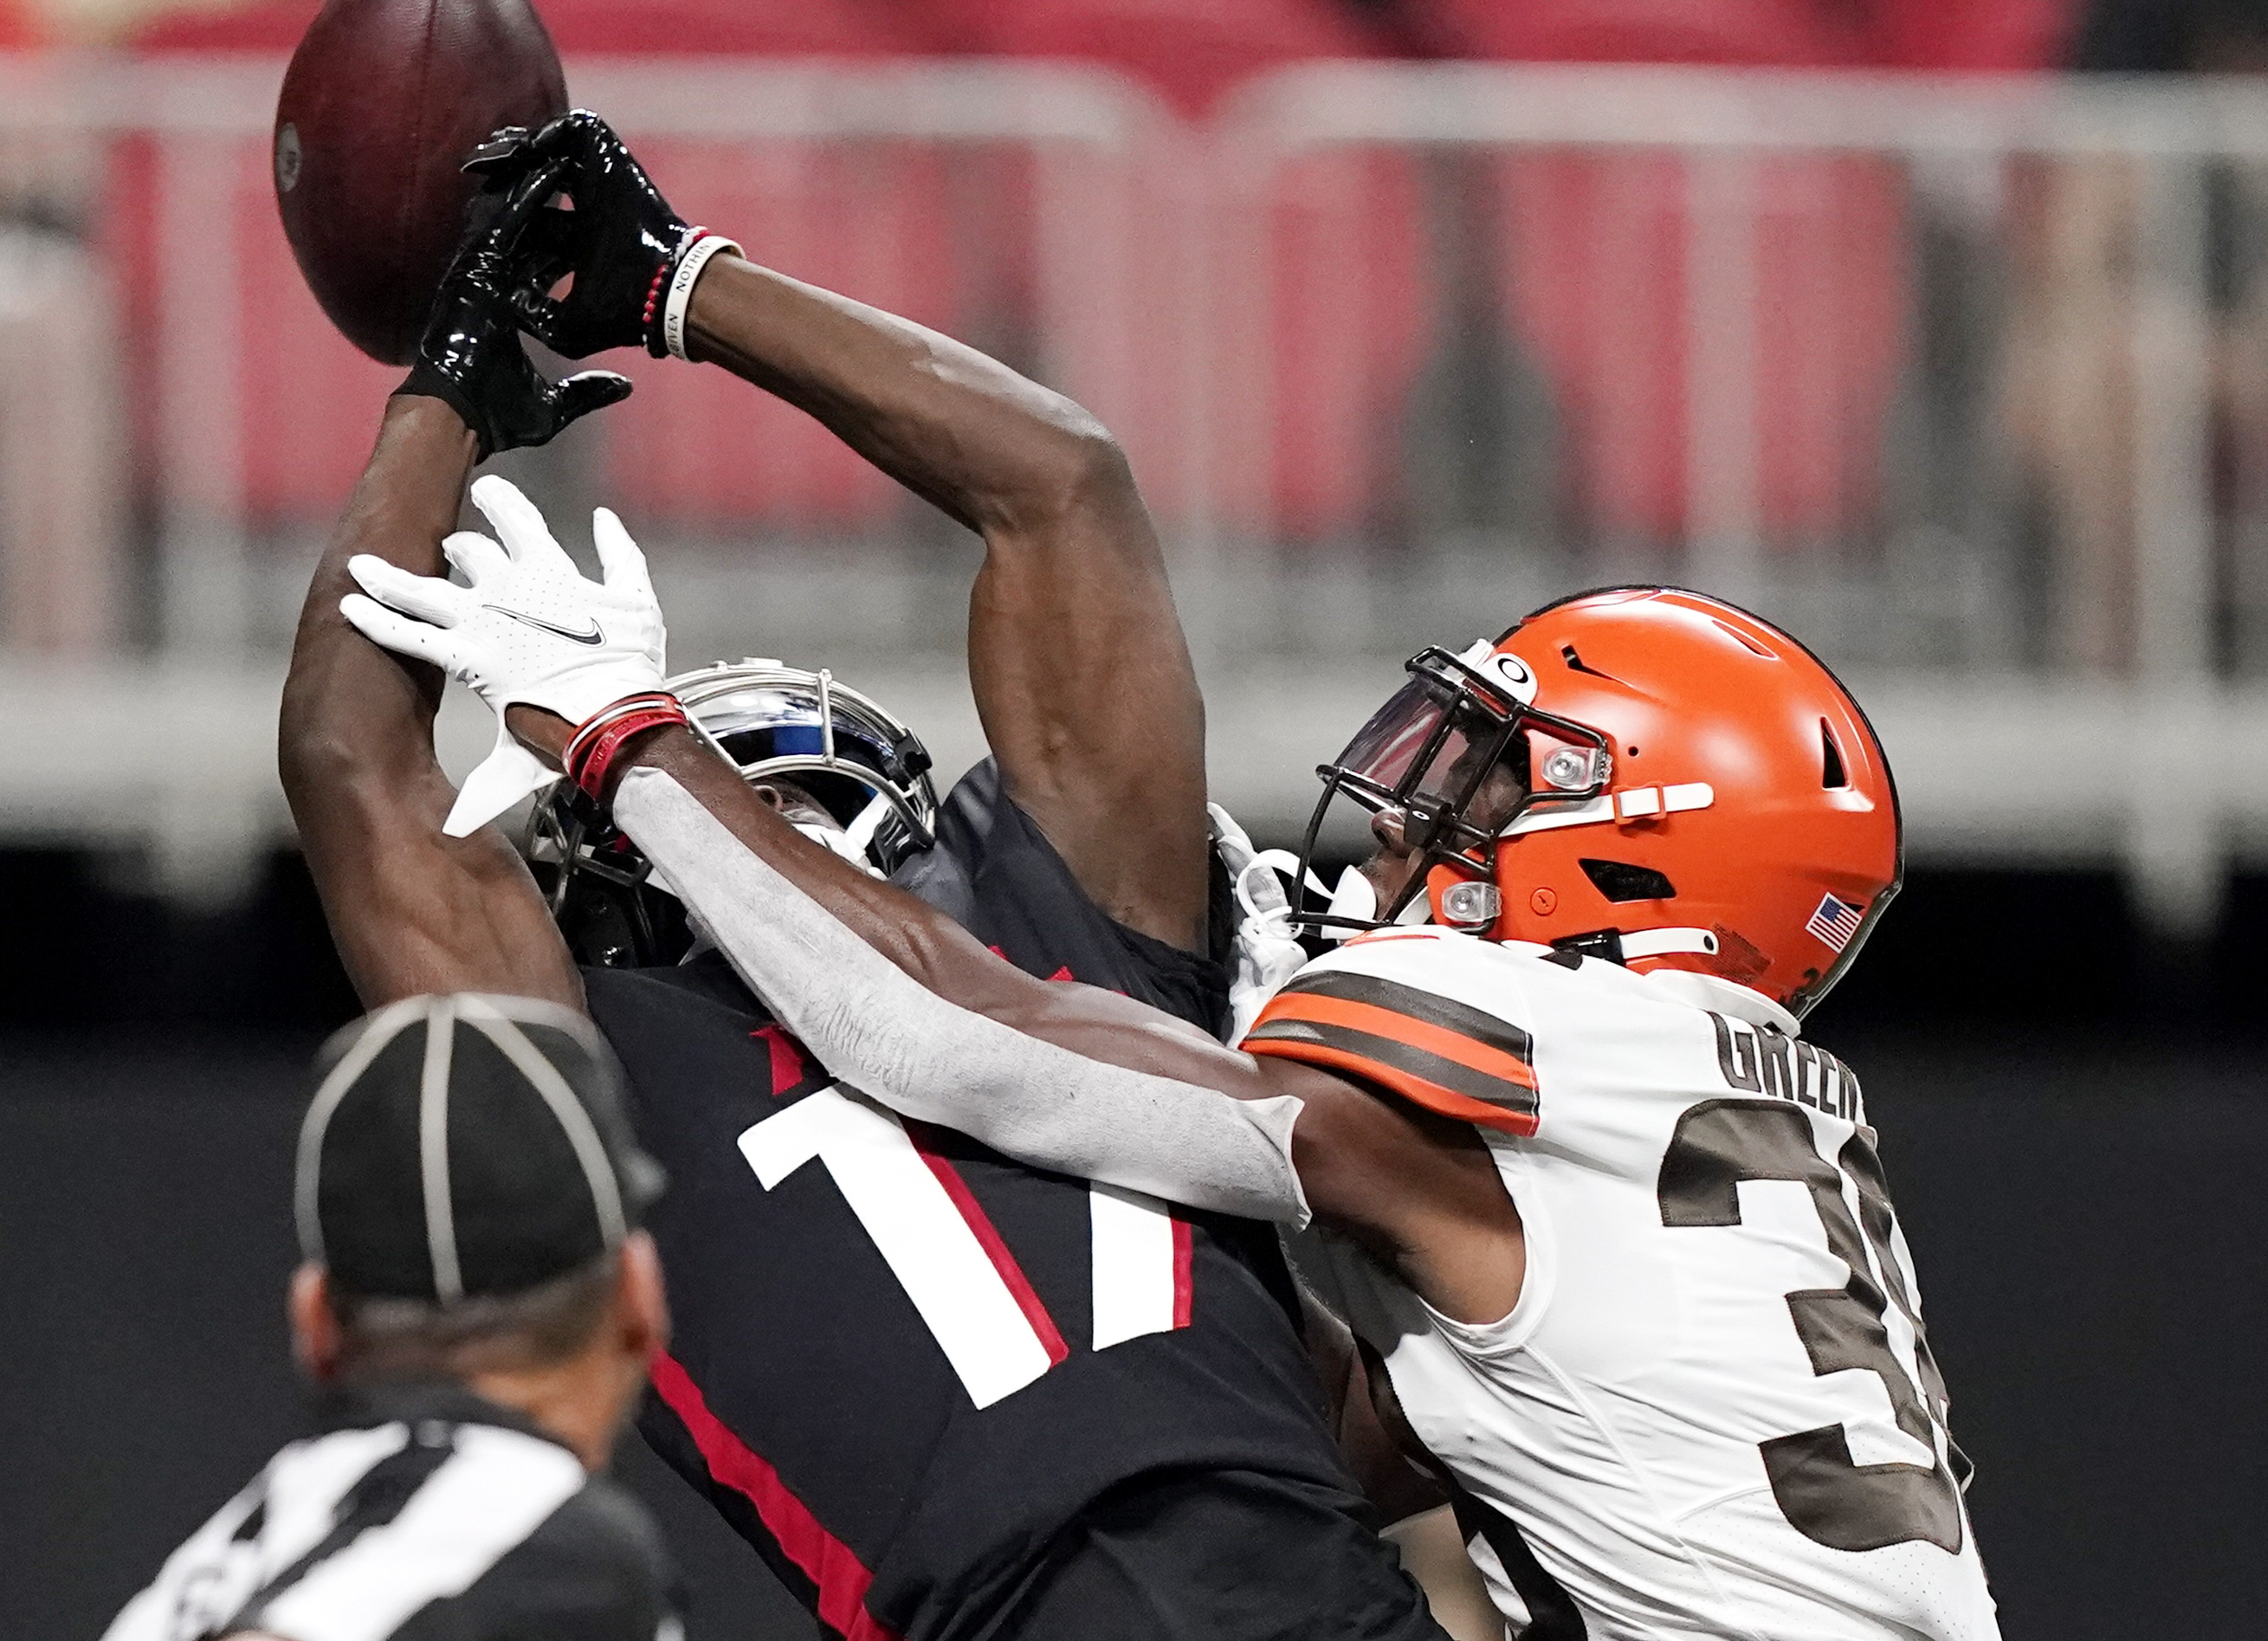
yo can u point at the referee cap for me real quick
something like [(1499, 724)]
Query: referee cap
[(467, 1145)]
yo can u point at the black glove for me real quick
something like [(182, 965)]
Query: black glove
[(622, 242), (471, 356)]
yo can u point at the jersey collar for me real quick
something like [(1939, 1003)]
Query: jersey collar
[(1726, 996), (414, 1401)]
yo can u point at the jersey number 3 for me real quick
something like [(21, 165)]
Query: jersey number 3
[(948, 1258), (1825, 1495)]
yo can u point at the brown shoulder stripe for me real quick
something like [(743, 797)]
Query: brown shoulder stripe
[(1370, 1019), (1417, 1073), (1429, 1006)]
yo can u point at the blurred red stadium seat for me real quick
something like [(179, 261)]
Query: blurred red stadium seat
[(769, 27), (273, 26), (693, 448), (752, 27), (1593, 255), (708, 454), (2003, 36), (1337, 235), (309, 399), (1344, 238), (21, 26), (1778, 32), (1942, 34), (1191, 51), (1597, 259), (1598, 255)]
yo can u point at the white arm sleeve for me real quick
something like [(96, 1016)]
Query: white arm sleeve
[(886, 1035)]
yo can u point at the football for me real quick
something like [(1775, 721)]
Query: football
[(382, 103)]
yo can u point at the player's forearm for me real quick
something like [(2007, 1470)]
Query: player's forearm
[(1109, 759), (409, 910), (925, 943), (892, 1038), (1358, 1160), (999, 452), (351, 709), (918, 937)]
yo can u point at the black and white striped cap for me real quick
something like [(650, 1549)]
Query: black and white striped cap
[(464, 1146)]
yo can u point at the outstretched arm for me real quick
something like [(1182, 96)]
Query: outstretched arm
[(410, 909), (1420, 1190), (1082, 677), (901, 1002)]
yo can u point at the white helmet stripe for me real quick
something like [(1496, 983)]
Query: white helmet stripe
[(1638, 803), (433, 1150)]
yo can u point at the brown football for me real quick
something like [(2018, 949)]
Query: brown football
[(383, 101)]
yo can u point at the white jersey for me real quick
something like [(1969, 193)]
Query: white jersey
[(1713, 1411)]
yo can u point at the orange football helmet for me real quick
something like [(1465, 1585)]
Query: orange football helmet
[(1643, 774)]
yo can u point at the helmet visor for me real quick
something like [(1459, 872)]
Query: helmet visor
[(1450, 753), (1435, 750), (1399, 738)]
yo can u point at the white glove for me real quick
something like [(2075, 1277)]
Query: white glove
[(529, 631), (1266, 955)]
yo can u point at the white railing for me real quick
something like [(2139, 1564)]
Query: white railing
[(1967, 381), (1722, 203)]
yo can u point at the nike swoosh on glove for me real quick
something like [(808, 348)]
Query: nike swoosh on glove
[(528, 630)]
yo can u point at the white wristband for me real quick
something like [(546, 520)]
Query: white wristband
[(681, 287)]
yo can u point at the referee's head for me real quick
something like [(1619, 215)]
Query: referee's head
[(469, 1198)]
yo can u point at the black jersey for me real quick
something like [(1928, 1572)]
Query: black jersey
[(905, 1365), (995, 873), (422, 1512)]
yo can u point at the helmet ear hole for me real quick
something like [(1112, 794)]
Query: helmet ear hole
[(1618, 881), (1831, 773)]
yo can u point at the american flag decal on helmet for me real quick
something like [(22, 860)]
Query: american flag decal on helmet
[(1836, 922)]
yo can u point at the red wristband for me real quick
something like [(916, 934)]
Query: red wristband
[(590, 727), (592, 751), (662, 277)]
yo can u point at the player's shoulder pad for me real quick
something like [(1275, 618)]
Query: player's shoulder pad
[(1436, 1016)]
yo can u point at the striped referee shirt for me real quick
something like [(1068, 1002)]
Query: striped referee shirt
[(420, 1514)]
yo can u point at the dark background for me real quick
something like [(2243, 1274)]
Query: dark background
[(2075, 1123)]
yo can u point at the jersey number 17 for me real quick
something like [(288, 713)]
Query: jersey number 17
[(950, 1261)]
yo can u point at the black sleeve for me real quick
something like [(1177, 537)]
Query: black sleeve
[(994, 872), (595, 1570)]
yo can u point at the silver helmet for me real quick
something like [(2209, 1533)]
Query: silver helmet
[(858, 761)]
